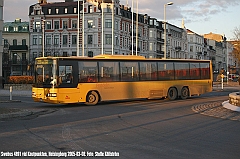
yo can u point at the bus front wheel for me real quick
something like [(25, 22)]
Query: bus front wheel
[(92, 98), (184, 93), (172, 93)]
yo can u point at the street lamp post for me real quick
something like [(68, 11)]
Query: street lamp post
[(21, 62), (165, 30), (43, 37)]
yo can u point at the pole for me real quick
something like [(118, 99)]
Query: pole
[(102, 28), (227, 63), (132, 27), (113, 22), (137, 30), (10, 91), (83, 29), (43, 38), (165, 33), (165, 30), (78, 30)]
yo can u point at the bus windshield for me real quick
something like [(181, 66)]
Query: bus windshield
[(45, 72)]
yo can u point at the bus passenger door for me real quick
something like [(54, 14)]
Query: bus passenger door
[(68, 82)]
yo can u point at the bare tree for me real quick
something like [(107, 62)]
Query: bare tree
[(236, 44)]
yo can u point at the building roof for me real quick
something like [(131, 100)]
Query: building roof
[(216, 37)]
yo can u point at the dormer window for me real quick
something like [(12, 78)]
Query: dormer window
[(15, 28), (65, 10), (5, 28), (57, 10), (49, 11)]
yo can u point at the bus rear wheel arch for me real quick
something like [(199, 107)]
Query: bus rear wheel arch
[(92, 98), (172, 93), (184, 93)]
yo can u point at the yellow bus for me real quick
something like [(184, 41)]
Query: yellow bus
[(91, 80)]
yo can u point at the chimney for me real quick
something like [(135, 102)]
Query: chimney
[(42, 1)]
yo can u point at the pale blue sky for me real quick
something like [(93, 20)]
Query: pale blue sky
[(200, 16)]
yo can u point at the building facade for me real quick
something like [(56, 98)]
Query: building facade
[(57, 23), (15, 52)]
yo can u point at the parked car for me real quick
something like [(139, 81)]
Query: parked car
[(233, 77)]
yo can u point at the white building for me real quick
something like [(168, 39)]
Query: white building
[(176, 42), (195, 45)]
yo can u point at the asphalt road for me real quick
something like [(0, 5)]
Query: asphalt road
[(126, 129)]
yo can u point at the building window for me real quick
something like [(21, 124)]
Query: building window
[(65, 54), (49, 11), (74, 24), (90, 23), (116, 40), (14, 41), (74, 53), (15, 28), (116, 25), (108, 39), (34, 39), (191, 48), (48, 25), (150, 33), (65, 39), (5, 28), (64, 24), (57, 10), (56, 24), (24, 42), (40, 40), (56, 40), (24, 56), (74, 39), (75, 10), (90, 39), (90, 54), (150, 46), (65, 10), (24, 28), (108, 23), (48, 40), (108, 8), (37, 25), (90, 9)]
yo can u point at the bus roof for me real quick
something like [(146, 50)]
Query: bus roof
[(119, 57), (116, 57)]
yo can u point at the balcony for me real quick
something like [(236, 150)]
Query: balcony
[(19, 62), (18, 47), (178, 48), (160, 40)]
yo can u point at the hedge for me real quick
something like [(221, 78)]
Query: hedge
[(20, 79)]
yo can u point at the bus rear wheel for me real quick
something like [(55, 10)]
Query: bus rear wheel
[(184, 93), (172, 93), (92, 98)]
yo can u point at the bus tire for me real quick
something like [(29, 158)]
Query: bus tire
[(172, 93), (92, 98), (184, 93)]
